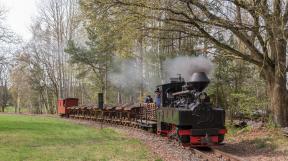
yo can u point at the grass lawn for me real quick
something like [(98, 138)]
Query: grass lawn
[(51, 139)]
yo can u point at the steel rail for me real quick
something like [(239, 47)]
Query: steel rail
[(213, 154), (203, 155), (227, 156)]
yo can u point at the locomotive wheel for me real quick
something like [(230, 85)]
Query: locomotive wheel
[(221, 139), (182, 139)]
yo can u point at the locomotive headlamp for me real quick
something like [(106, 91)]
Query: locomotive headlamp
[(202, 96)]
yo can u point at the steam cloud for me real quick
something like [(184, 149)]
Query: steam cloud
[(186, 66), (128, 76)]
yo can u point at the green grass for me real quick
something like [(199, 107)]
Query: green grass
[(51, 139)]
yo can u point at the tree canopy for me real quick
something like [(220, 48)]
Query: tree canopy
[(82, 47)]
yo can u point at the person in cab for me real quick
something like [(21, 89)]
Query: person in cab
[(148, 99)]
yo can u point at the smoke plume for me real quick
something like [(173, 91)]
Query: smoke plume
[(128, 73), (186, 66)]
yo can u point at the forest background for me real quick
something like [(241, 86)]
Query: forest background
[(123, 48)]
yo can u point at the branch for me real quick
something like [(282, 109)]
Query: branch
[(285, 16), (227, 47)]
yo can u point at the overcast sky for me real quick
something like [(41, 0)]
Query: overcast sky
[(19, 16)]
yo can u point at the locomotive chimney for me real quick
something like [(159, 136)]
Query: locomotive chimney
[(199, 81), (100, 101)]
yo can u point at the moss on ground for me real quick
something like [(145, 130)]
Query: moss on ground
[(270, 138)]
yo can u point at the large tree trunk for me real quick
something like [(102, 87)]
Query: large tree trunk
[(278, 100), (276, 84)]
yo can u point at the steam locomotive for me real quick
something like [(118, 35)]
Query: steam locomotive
[(185, 114)]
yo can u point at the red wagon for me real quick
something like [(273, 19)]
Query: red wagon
[(63, 105)]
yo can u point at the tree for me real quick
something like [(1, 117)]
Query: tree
[(57, 21), (20, 88), (133, 41), (41, 73), (4, 92), (7, 40), (236, 87), (97, 57), (261, 26)]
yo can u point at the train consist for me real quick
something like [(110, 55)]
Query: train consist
[(185, 113)]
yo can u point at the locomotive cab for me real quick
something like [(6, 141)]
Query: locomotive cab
[(167, 90)]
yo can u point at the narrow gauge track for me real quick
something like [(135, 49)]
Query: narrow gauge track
[(212, 154), (203, 153)]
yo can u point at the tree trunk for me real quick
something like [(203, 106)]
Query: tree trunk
[(119, 100), (106, 79), (141, 70), (17, 110), (278, 99), (276, 84)]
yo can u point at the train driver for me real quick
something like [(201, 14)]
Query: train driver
[(148, 99), (158, 98)]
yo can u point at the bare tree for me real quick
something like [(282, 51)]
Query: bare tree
[(8, 40), (4, 93), (43, 60), (59, 20)]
